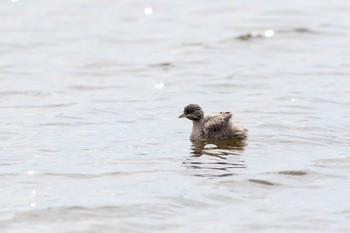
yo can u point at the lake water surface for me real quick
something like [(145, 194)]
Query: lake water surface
[(90, 92)]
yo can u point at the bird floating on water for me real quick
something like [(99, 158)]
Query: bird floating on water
[(214, 126)]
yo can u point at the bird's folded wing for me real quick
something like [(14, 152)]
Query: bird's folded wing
[(216, 122)]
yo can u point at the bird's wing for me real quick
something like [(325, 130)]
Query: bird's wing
[(216, 122)]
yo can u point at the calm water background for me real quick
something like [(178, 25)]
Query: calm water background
[(90, 92)]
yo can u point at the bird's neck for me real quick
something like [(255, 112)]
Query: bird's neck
[(197, 129)]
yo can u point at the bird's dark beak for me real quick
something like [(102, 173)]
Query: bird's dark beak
[(182, 116)]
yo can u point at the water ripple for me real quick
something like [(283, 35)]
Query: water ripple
[(40, 106)]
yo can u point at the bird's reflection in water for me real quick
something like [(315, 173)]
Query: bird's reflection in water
[(216, 158), (220, 148)]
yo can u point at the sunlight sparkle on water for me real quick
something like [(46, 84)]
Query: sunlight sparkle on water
[(159, 86), (269, 33), (148, 10), (32, 172)]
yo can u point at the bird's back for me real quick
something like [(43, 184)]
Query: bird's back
[(219, 126)]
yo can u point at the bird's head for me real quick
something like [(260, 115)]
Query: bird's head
[(193, 112)]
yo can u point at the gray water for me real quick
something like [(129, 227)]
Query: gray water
[(90, 92)]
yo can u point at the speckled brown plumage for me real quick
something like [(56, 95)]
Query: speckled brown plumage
[(214, 126)]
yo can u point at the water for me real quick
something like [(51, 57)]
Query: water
[(89, 98)]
